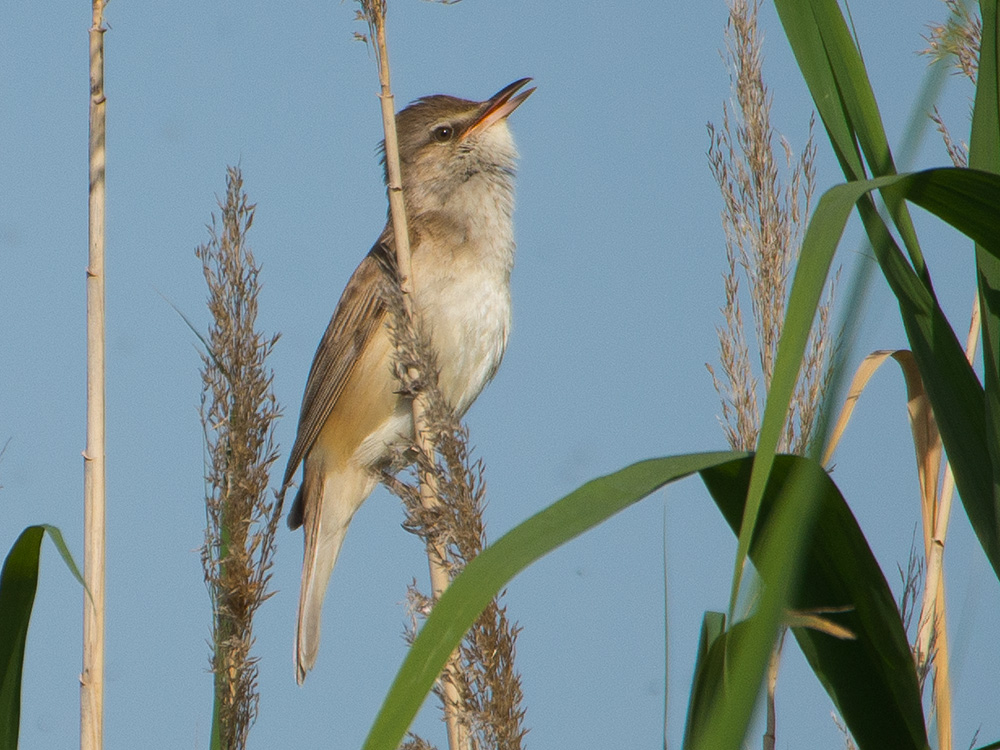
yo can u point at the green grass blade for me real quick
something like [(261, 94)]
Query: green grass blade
[(871, 679), (486, 575), (18, 583), (711, 682), (984, 153), (57, 539), (860, 109), (836, 76), (778, 545), (984, 146), (804, 36), (713, 627), (834, 70), (970, 427), (853, 299), (215, 739), (968, 200)]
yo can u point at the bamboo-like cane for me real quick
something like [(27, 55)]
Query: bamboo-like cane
[(92, 676), (428, 484)]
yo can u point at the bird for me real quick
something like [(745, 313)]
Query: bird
[(457, 160)]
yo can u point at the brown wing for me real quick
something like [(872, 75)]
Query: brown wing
[(359, 314)]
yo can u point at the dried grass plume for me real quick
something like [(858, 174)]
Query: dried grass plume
[(238, 412), (764, 221)]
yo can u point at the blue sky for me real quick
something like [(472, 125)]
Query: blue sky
[(616, 295)]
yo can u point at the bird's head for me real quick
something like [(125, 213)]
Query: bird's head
[(447, 144)]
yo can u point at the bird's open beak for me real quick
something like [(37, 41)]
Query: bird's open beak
[(499, 106)]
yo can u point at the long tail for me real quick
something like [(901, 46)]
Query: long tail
[(328, 505)]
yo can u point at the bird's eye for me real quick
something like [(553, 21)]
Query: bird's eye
[(443, 133)]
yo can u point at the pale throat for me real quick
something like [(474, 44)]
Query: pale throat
[(471, 191)]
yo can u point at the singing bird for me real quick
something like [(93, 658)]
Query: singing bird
[(457, 160)]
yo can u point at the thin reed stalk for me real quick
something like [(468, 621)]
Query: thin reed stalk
[(373, 11), (92, 674), (239, 412)]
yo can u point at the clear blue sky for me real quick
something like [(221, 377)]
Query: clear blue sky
[(616, 295)]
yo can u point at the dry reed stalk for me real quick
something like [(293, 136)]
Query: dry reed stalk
[(764, 222), (239, 413), (92, 674), (373, 12), (480, 689), (932, 636)]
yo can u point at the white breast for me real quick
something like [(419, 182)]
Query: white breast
[(465, 306)]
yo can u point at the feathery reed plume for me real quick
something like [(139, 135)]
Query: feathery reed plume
[(94, 485), (485, 687), (957, 39), (764, 221), (238, 413)]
